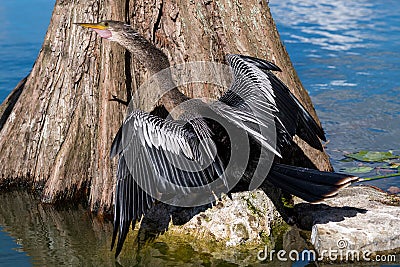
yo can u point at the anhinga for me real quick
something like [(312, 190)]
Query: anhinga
[(256, 100)]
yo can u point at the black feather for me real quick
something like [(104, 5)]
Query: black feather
[(308, 184), (116, 144), (260, 63), (130, 203)]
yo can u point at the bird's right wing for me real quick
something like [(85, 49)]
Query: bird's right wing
[(157, 157), (130, 203), (179, 152)]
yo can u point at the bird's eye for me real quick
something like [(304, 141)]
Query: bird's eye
[(106, 24)]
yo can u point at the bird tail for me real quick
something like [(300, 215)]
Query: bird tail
[(308, 184)]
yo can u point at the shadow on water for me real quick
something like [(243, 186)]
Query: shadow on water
[(47, 236), (43, 235)]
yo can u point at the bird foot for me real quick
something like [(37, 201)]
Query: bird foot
[(119, 100)]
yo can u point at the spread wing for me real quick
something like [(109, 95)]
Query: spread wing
[(158, 157), (292, 117), (249, 103), (257, 92)]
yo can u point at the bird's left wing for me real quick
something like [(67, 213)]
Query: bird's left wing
[(250, 102), (292, 117), (258, 92)]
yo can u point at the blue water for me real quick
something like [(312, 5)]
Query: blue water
[(11, 253), (347, 56), (345, 52), (23, 25)]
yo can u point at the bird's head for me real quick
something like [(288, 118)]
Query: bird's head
[(147, 53), (109, 29)]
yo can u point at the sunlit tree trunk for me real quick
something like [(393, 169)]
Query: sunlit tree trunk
[(57, 126)]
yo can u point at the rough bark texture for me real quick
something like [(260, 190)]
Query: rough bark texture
[(57, 126)]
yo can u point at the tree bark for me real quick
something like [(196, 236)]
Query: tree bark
[(56, 127)]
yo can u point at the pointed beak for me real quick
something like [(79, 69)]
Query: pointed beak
[(98, 26)]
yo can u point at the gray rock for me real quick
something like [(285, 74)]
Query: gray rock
[(243, 218), (355, 225), (232, 230)]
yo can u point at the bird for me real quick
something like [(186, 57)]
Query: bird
[(192, 150)]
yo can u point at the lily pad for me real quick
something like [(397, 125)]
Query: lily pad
[(372, 156), (361, 169), (391, 165)]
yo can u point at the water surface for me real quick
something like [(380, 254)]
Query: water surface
[(347, 56), (23, 25)]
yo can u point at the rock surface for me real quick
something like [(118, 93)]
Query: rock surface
[(244, 218), (233, 230), (360, 222)]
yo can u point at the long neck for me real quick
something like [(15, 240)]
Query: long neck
[(154, 60)]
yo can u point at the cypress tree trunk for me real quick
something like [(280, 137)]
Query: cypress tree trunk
[(57, 126)]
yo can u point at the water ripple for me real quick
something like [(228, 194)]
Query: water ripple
[(332, 25)]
